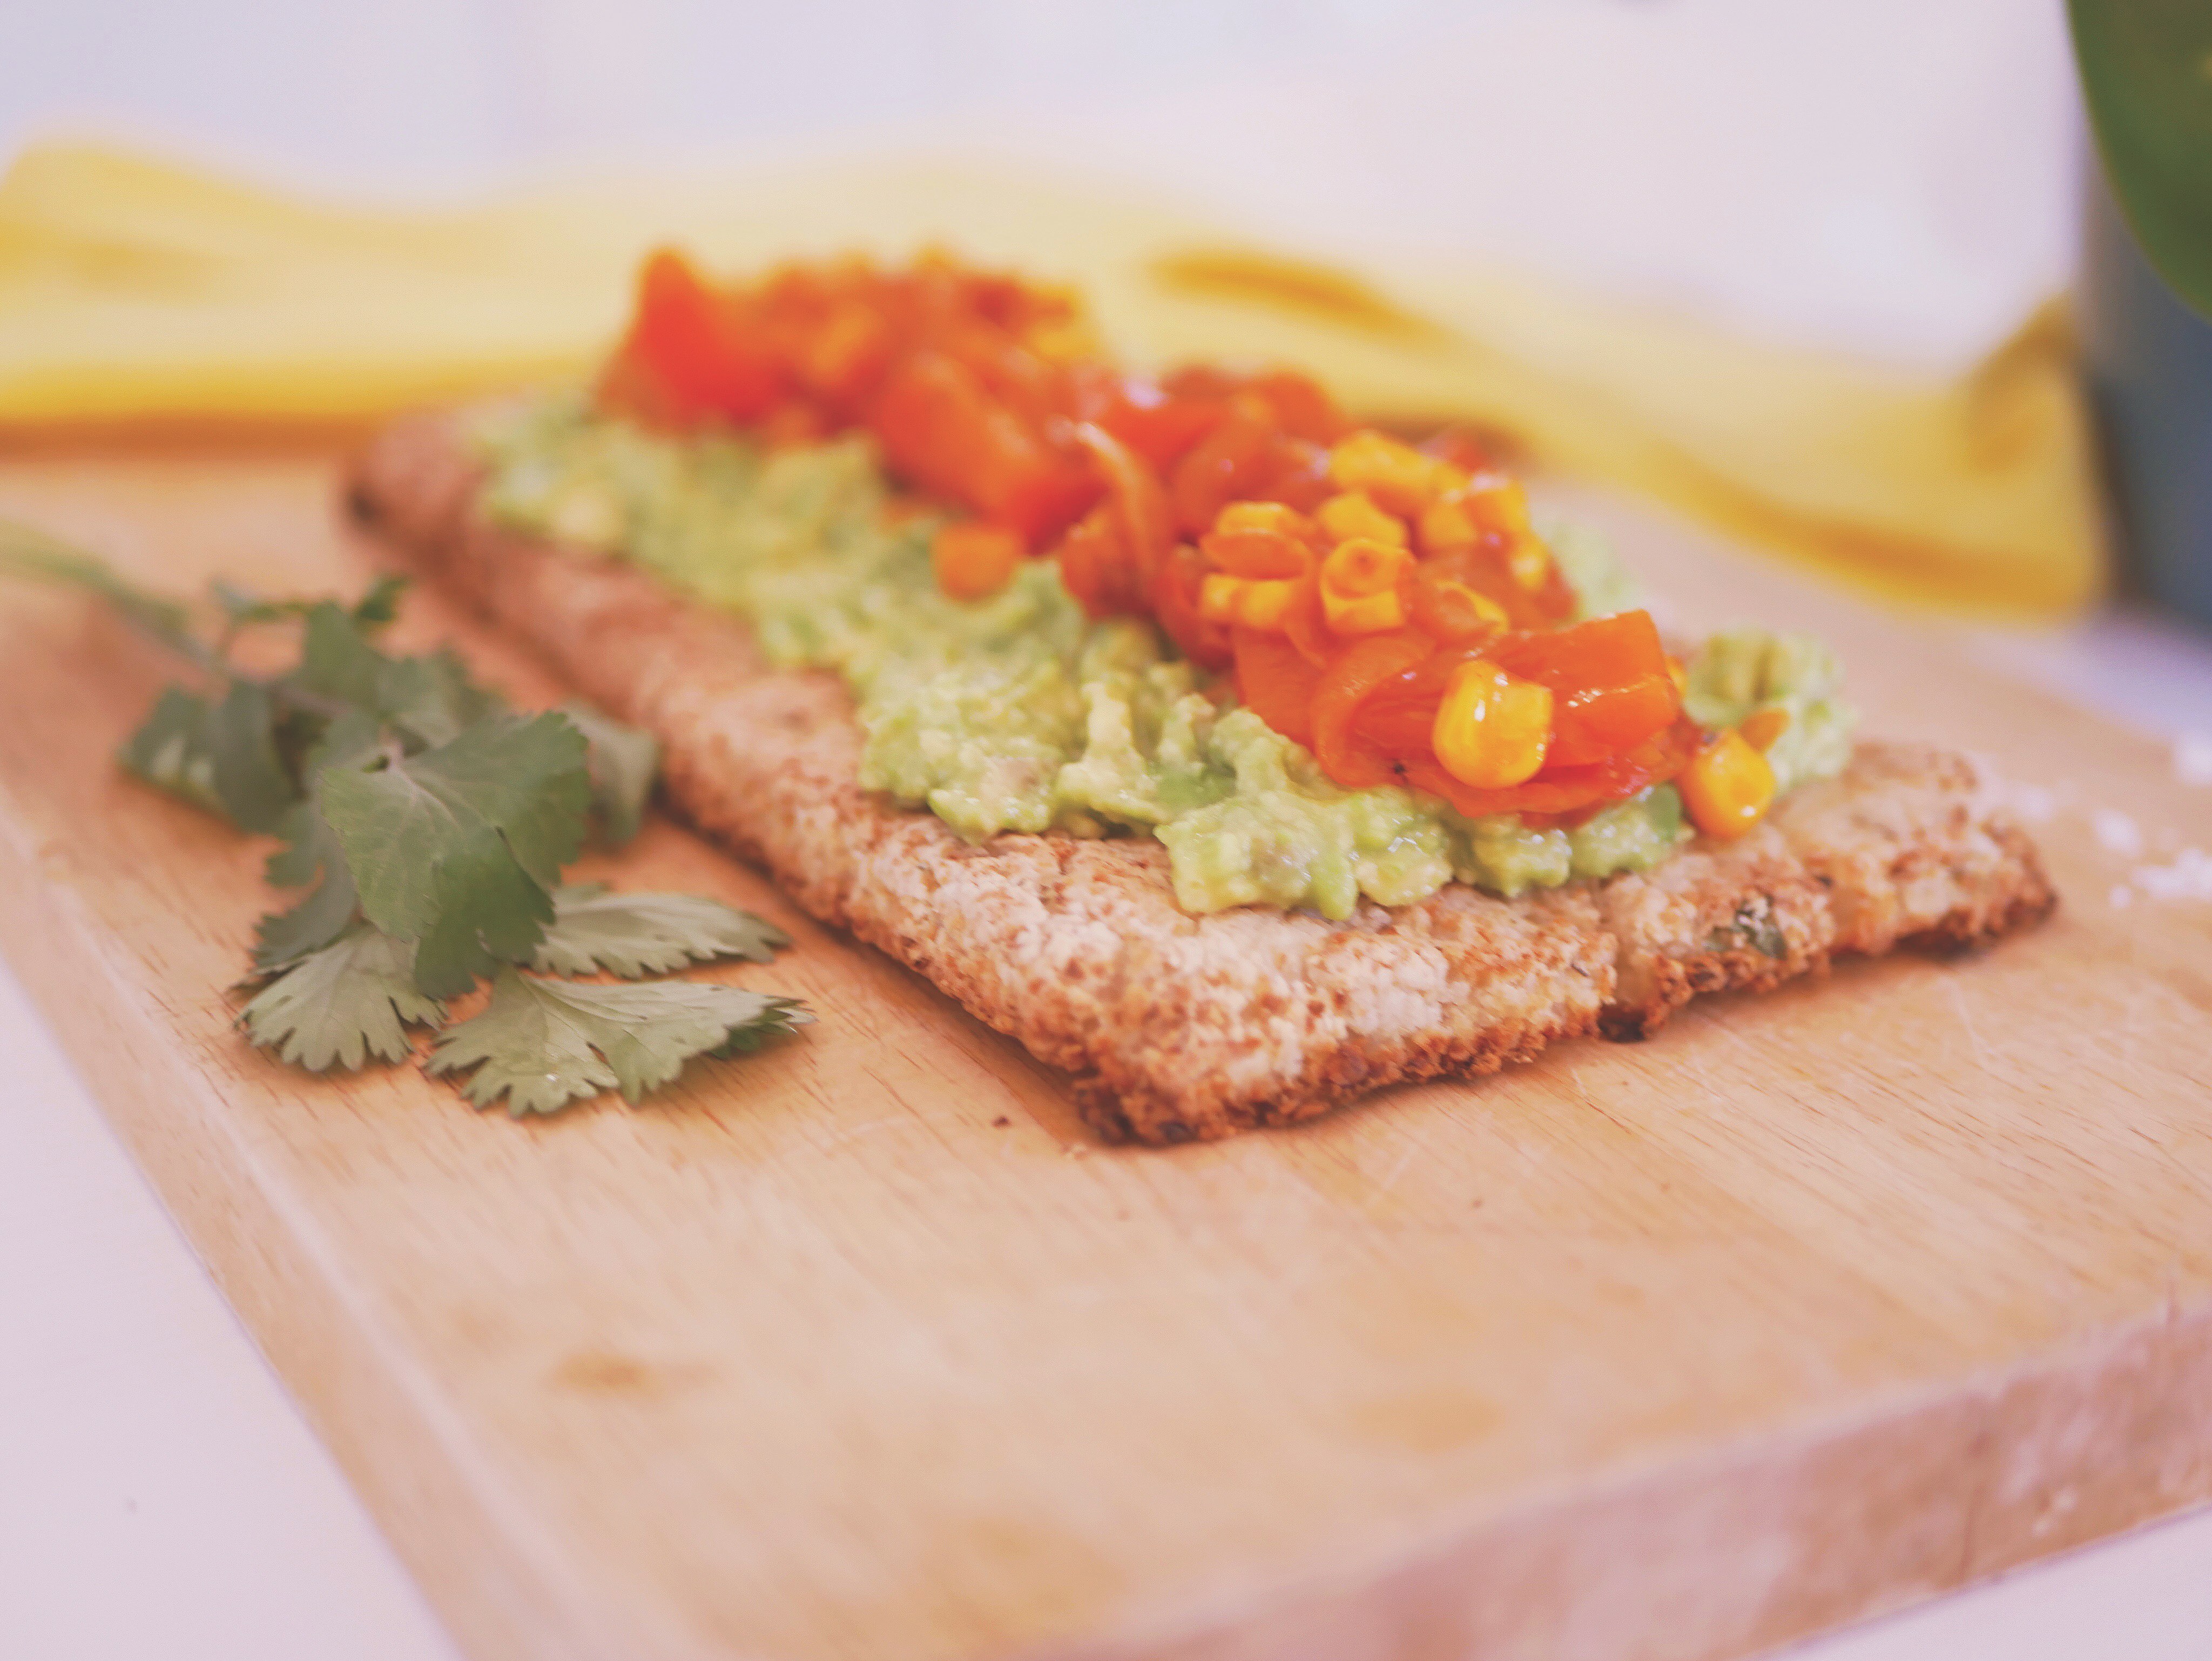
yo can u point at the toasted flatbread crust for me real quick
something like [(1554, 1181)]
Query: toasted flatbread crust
[(1176, 1027)]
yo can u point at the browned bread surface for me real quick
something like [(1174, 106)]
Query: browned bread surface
[(1176, 1027)]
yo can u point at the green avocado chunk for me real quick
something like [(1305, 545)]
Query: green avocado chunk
[(1020, 712)]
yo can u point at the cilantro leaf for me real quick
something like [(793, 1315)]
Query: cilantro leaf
[(339, 1006), (250, 780), (312, 846), (381, 604), (543, 1043), (430, 699), (221, 756), (624, 761), (458, 848), (169, 750), (337, 661), (635, 935)]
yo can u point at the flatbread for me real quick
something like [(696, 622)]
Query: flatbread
[(1176, 1027)]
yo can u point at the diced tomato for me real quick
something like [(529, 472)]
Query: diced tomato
[(1274, 680), (1352, 677), (1228, 465), (1097, 568), (1301, 408), (1595, 722), (1610, 651), (691, 352), (1175, 603), (942, 430), (1138, 503), (1462, 447), (1160, 426)]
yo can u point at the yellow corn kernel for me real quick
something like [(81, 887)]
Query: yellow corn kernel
[(1485, 607), (1359, 586), (1727, 787), (1446, 524), (1362, 614), (1061, 340), (1355, 514), (1254, 602), (1762, 727), (1360, 566), (1677, 674), (1499, 504), (1529, 562), (1261, 516), (1398, 476), (1493, 728)]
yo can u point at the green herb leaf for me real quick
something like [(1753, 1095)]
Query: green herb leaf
[(250, 781), (431, 699), (635, 935), (2147, 76), (460, 847), (545, 1044), (313, 847), (381, 604), (169, 750), (339, 1006), (337, 663), (624, 761), (221, 757)]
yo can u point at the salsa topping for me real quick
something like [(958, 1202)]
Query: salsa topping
[(1388, 606)]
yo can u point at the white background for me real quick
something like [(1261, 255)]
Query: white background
[(1893, 177)]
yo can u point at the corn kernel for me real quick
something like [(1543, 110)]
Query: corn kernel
[(1360, 566), (1498, 504), (1529, 562), (1493, 728), (1727, 787), (1485, 607), (1447, 524), (1398, 476), (1362, 614), (1762, 727), (1677, 674), (1217, 596), (1255, 602), (1276, 516), (1355, 514)]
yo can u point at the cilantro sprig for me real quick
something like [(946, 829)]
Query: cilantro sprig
[(428, 824)]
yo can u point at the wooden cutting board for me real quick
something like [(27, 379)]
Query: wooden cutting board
[(1814, 1304)]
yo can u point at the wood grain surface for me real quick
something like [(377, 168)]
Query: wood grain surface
[(1817, 1303)]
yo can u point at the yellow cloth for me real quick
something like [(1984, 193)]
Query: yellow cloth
[(134, 292)]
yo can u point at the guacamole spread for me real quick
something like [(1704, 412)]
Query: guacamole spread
[(1020, 712)]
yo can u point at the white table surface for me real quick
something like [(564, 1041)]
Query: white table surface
[(161, 1499)]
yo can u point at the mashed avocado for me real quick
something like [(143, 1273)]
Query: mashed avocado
[(1739, 671), (1018, 713)]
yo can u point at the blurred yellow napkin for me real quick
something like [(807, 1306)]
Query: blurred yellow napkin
[(134, 293)]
